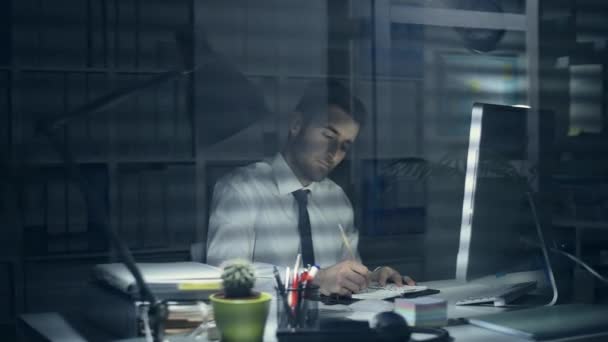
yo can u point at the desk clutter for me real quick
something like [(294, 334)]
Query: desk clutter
[(114, 305), (297, 298), (122, 316), (113, 302)]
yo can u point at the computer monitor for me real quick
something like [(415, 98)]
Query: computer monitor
[(501, 229)]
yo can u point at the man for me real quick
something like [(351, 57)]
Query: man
[(270, 211)]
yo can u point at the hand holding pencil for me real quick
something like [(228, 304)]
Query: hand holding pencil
[(350, 276), (346, 243), (346, 277)]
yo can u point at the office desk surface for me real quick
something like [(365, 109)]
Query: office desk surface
[(450, 290), (62, 331)]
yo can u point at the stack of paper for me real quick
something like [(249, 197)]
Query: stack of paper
[(375, 291), (185, 316), (172, 280), (423, 311)]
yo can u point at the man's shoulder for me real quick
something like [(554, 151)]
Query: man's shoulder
[(329, 186), (329, 191), (248, 175)]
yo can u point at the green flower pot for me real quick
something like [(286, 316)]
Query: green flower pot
[(241, 319)]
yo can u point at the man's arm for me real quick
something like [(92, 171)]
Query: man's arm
[(382, 275), (348, 275), (231, 234)]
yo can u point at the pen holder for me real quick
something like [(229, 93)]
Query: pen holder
[(299, 308)]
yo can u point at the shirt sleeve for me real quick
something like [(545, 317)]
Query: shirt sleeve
[(352, 234), (231, 224)]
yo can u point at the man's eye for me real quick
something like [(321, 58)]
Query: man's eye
[(328, 135)]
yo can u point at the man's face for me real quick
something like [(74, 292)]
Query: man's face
[(322, 143)]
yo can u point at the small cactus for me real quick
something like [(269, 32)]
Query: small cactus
[(238, 279)]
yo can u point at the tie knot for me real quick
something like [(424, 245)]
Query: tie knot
[(301, 196)]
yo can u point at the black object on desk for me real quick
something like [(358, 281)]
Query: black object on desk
[(386, 327), (333, 300), (330, 330), (427, 292)]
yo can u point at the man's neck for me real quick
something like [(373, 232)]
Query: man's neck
[(288, 156)]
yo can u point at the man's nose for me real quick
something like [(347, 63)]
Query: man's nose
[(332, 149)]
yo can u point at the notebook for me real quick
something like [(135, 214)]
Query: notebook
[(548, 322)]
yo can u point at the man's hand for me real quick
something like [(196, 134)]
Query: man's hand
[(344, 278), (385, 274)]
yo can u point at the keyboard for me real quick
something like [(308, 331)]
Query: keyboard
[(499, 295)]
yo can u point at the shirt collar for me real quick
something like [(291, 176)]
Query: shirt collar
[(286, 180)]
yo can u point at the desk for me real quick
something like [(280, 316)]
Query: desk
[(450, 290)]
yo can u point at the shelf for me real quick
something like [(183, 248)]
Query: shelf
[(582, 54), (106, 254), (580, 223), (458, 18), (144, 71), (57, 163), (596, 143), (101, 162), (9, 259), (82, 70), (155, 161)]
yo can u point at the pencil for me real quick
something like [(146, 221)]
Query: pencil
[(346, 243)]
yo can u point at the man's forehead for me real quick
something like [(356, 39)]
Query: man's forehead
[(333, 115), (338, 121)]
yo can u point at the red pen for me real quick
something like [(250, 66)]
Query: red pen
[(294, 291)]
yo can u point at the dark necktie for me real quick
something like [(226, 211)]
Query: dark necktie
[(308, 255)]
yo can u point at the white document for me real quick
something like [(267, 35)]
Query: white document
[(388, 291), (119, 277)]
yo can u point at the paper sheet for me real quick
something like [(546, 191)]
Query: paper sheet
[(118, 276), (388, 291)]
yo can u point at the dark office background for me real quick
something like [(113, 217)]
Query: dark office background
[(148, 158)]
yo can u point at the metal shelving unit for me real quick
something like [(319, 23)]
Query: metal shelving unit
[(65, 57)]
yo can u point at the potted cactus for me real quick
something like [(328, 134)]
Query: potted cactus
[(240, 313)]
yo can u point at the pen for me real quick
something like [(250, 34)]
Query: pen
[(346, 243), (298, 306), (282, 293), (288, 284), (277, 278), (296, 266), (294, 284), (287, 277), (295, 296)]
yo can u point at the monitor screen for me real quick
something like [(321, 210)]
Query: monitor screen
[(499, 232)]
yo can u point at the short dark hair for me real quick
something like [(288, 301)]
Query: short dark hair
[(321, 94)]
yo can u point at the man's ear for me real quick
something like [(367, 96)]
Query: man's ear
[(295, 124)]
